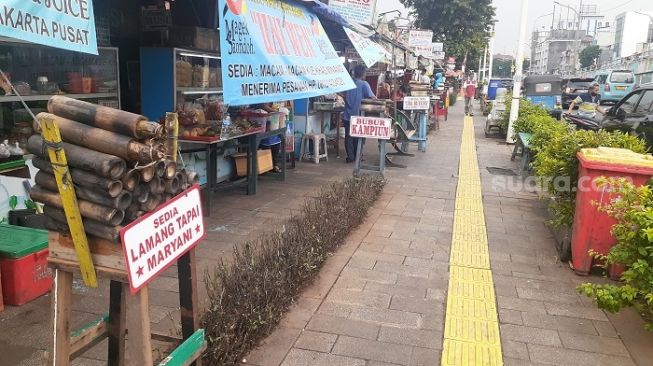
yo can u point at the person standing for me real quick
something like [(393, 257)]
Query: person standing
[(353, 101), (470, 93)]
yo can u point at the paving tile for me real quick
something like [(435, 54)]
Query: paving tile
[(405, 291), (316, 341), (372, 350), (512, 349), (411, 337), (550, 296), (561, 323), (414, 305), (402, 269), (605, 329), (507, 316), (337, 325), (589, 343), (530, 335), (424, 357), (575, 311), (369, 275), (362, 298), (521, 304), (300, 313), (299, 357), (567, 357), (275, 347), (386, 317)]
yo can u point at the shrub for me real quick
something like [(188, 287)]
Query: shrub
[(527, 113), (633, 211), (248, 298), (557, 158)]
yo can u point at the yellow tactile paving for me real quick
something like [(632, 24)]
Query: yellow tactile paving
[(471, 330)]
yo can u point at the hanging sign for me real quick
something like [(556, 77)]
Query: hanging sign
[(355, 11), (67, 24), (155, 241), (370, 52), (273, 51), (418, 37), (438, 46), (370, 127), (426, 51), (417, 103)]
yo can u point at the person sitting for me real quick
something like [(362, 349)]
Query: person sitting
[(588, 103)]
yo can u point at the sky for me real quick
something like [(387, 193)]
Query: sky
[(509, 11)]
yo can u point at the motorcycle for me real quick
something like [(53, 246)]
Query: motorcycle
[(582, 122)]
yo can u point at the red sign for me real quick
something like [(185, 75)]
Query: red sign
[(371, 127), (155, 241)]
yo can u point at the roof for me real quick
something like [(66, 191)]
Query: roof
[(542, 78)]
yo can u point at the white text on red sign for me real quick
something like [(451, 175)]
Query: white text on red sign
[(371, 127), (157, 240), (416, 103)]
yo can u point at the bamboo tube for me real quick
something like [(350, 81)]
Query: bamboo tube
[(141, 193), (171, 185), (168, 196), (90, 210), (147, 173), (172, 133), (121, 202), (92, 227), (105, 165), (83, 178), (160, 168), (102, 140), (170, 169), (156, 186), (153, 201), (132, 213), (192, 178), (182, 176), (110, 119), (131, 179)]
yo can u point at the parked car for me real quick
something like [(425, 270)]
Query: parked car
[(633, 114), (614, 84), (572, 88)]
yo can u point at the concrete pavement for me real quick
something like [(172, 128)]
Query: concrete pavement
[(381, 299)]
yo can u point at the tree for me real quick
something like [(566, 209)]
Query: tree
[(463, 25), (588, 55)]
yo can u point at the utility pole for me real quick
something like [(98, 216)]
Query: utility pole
[(491, 55), (516, 91), (484, 72)]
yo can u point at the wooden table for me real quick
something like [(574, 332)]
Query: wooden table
[(251, 140)]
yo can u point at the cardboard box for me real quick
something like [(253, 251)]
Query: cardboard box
[(264, 162), (205, 39)]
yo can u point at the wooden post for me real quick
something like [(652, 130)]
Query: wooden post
[(67, 191), (140, 342), (188, 299), (61, 309), (117, 329)]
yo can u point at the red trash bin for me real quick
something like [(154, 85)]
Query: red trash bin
[(23, 264), (591, 229)]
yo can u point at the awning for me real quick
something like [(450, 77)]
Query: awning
[(275, 51), (40, 22)]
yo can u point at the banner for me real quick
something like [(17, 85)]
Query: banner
[(370, 52), (355, 11), (272, 51), (67, 24)]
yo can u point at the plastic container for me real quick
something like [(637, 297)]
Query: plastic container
[(492, 88), (24, 268), (591, 229)]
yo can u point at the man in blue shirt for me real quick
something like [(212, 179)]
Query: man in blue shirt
[(353, 100)]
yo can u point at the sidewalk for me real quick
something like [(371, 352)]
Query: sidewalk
[(381, 299)]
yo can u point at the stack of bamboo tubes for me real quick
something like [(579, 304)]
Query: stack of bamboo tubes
[(121, 164)]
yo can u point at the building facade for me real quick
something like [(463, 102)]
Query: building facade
[(632, 31)]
